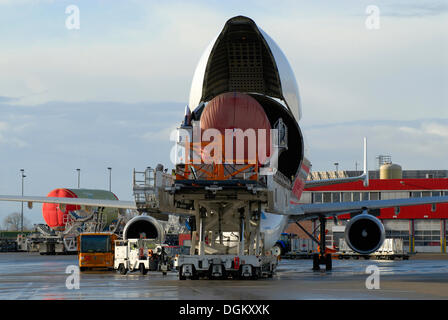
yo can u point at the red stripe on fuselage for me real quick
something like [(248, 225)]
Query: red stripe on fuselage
[(299, 182)]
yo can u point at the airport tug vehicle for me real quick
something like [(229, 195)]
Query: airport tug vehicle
[(141, 255)]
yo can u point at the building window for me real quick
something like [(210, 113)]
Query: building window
[(446, 231), (427, 233), (426, 193), (429, 238), (317, 197), (327, 196), (346, 196), (336, 197), (375, 196)]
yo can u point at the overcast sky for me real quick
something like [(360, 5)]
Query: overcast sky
[(109, 93)]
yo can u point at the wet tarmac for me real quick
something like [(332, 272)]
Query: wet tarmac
[(27, 276)]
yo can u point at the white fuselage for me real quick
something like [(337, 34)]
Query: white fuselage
[(272, 225)]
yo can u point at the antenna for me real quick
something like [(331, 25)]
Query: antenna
[(366, 172)]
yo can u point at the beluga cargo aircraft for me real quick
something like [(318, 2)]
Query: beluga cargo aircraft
[(241, 166)]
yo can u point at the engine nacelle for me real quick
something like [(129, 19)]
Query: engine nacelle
[(364, 233), (148, 225)]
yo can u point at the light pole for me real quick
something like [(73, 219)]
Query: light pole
[(110, 178), (22, 171), (336, 164), (79, 176)]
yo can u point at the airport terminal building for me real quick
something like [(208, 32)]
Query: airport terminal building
[(423, 228)]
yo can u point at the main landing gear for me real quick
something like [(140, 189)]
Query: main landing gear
[(320, 258)]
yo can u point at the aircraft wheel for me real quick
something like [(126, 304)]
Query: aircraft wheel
[(316, 266), (328, 262), (277, 250)]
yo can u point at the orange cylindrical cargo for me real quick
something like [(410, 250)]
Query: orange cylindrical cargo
[(56, 218), (232, 111)]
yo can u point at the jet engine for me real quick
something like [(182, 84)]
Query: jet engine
[(364, 233), (144, 226)]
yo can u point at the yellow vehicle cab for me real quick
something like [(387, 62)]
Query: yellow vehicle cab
[(96, 250)]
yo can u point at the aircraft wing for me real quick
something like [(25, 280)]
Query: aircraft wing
[(75, 201), (315, 210), (328, 182)]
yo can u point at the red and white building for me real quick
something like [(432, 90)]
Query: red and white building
[(423, 228)]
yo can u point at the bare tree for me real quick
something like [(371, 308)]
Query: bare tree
[(13, 222)]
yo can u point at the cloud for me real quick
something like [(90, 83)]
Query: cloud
[(23, 2), (418, 144), (53, 139), (161, 135), (9, 134), (3, 126), (7, 99), (436, 129), (338, 64), (427, 129), (415, 9)]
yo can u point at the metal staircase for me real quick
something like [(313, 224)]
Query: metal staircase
[(45, 230), (145, 187)]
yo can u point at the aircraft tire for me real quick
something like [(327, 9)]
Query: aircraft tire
[(316, 266), (328, 262)]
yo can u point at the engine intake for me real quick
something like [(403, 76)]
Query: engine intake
[(364, 233), (147, 225)]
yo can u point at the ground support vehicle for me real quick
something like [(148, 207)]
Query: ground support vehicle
[(225, 266), (289, 246), (224, 214), (172, 252), (141, 255), (390, 250), (96, 250), (297, 255), (226, 238), (8, 245)]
